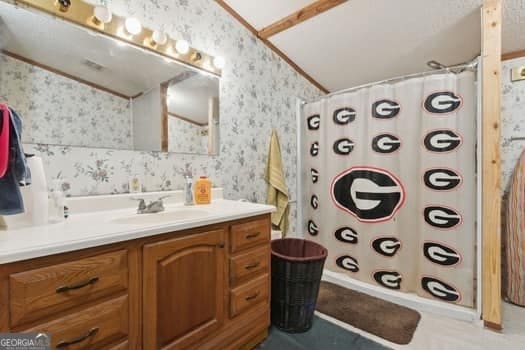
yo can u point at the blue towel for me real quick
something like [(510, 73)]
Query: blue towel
[(18, 172)]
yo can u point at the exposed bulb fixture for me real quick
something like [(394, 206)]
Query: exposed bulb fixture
[(159, 38), (63, 5), (182, 47), (102, 14), (133, 26), (196, 57), (219, 62)]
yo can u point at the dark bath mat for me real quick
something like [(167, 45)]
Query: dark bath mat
[(387, 320)]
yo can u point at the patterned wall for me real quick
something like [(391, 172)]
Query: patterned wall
[(61, 111), (186, 137), (512, 118), (258, 91)]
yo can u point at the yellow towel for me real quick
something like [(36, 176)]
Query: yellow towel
[(277, 192)]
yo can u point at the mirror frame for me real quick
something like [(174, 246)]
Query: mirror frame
[(81, 13)]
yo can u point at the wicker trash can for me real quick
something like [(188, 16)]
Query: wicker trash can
[(297, 267)]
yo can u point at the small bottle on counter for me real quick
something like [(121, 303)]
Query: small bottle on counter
[(188, 191), (59, 201), (202, 190)]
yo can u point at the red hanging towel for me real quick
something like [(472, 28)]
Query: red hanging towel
[(4, 138)]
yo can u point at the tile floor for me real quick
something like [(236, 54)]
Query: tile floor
[(441, 333), (323, 335)]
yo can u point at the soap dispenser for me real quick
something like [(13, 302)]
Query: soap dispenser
[(188, 189), (59, 200)]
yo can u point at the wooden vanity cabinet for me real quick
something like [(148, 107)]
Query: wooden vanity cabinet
[(202, 288), (183, 289)]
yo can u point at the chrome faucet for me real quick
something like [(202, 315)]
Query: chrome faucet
[(153, 206)]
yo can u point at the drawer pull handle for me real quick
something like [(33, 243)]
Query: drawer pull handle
[(252, 235), (252, 266), (63, 289), (66, 343), (253, 296)]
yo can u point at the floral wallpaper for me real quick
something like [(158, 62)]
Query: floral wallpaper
[(186, 137), (61, 111), (258, 93), (512, 120)]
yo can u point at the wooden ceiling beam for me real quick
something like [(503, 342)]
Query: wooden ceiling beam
[(297, 17), (281, 54), (512, 55)]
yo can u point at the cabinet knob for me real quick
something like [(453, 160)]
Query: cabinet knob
[(220, 245)]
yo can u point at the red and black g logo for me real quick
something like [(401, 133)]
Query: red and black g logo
[(442, 102), (313, 122), (385, 143), (442, 141), (440, 289), (385, 109), (388, 279), (440, 254), (344, 116), (369, 194), (442, 217), (346, 235), (387, 245), (348, 263), (441, 179)]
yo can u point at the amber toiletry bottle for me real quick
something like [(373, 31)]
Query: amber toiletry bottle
[(202, 188)]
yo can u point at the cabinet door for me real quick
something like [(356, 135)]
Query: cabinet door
[(183, 290)]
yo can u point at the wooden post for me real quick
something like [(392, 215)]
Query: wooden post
[(491, 192)]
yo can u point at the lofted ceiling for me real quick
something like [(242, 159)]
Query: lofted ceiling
[(361, 41)]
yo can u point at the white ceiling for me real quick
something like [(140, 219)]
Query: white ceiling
[(363, 41)]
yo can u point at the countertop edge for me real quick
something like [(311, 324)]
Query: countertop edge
[(7, 257)]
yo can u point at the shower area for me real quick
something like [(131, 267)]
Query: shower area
[(389, 182)]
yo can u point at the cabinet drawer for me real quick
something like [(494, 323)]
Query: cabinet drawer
[(46, 291), (249, 264), (92, 328), (249, 294), (249, 234)]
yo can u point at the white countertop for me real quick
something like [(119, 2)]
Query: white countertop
[(92, 229)]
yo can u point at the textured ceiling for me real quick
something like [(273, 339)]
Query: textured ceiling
[(362, 41)]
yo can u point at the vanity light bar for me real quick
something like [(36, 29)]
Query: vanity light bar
[(83, 14)]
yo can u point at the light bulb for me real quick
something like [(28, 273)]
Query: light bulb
[(102, 14), (219, 62), (182, 47), (133, 26), (159, 38)]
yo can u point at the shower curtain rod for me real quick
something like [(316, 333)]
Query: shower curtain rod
[(471, 65)]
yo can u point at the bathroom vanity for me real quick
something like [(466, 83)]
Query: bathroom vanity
[(186, 278)]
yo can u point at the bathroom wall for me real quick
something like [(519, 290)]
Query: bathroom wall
[(512, 119), (80, 115), (186, 137), (258, 91)]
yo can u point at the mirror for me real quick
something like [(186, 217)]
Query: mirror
[(77, 87)]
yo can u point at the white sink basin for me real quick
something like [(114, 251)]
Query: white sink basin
[(162, 217)]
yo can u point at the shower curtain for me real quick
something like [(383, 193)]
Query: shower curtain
[(390, 184)]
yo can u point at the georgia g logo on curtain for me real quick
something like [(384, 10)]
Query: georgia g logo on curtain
[(367, 193), (442, 102)]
